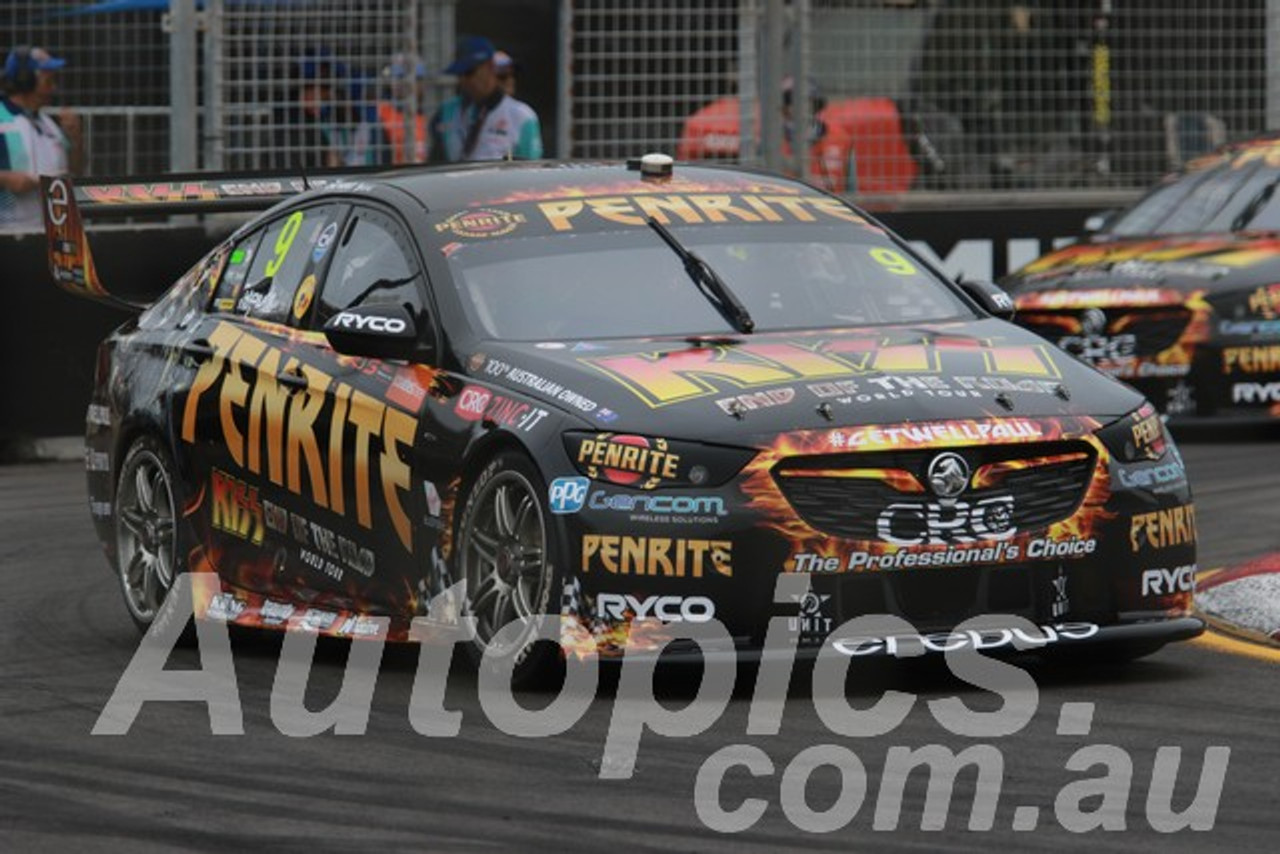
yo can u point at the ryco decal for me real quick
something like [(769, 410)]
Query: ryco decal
[(1162, 582), (669, 609)]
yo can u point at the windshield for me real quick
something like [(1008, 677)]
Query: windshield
[(1231, 196), (630, 284)]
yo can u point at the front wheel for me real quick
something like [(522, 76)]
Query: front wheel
[(507, 556), (147, 555)]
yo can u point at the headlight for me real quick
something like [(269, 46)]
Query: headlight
[(644, 462), (1137, 437)]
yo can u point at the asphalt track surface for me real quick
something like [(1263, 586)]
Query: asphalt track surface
[(168, 784)]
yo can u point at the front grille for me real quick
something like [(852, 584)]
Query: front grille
[(1103, 337), (1024, 486), (934, 600)]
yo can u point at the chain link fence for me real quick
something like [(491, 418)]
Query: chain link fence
[(325, 84), (309, 83), (116, 75), (893, 96), (911, 95)]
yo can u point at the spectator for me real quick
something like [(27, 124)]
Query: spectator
[(482, 122), (404, 82), (831, 148), (354, 126), (32, 142), (304, 133), (506, 68)]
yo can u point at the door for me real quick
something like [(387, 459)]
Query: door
[(252, 421)]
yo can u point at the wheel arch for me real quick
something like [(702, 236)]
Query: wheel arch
[(130, 431)]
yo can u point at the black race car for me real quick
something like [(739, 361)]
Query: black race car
[(1180, 294), (607, 392)]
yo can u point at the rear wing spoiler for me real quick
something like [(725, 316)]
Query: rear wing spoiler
[(65, 205)]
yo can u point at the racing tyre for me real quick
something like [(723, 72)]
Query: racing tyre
[(506, 555), (148, 557)]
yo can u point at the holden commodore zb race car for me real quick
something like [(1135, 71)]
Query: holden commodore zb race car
[(1180, 294), (607, 392)]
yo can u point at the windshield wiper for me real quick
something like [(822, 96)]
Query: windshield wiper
[(709, 283), (1256, 204)]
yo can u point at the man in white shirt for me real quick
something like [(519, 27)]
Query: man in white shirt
[(482, 122), (32, 142)]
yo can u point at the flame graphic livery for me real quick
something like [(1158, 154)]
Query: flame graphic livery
[(765, 497)]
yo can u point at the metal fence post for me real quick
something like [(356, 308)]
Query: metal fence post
[(183, 98), (748, 79), (771, 84), (564, 82), (214, 144), (1272, 74), (801, 108)]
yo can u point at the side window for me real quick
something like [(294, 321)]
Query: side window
[(374, 263), (236, 272), (290, 250)]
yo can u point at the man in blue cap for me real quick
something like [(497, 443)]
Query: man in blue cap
[(32, 142), (482, 122)]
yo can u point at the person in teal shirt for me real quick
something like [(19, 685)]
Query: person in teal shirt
[(482, 122)]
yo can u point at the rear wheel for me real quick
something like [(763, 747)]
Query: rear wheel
[(147, 555), (507, 556)]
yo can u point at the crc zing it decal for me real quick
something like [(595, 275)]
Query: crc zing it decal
[(269, 429)]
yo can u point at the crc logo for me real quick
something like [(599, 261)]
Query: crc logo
[(567, 494), (1100, 348), (668, 609), (371, 323), (930, 523), (948, 475), (1162, 582), (472, 403)]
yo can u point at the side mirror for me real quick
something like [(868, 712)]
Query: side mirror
[(990, 296), (1096, 222), (379, 331)]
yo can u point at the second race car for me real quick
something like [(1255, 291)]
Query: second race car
[(1180, 294)]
